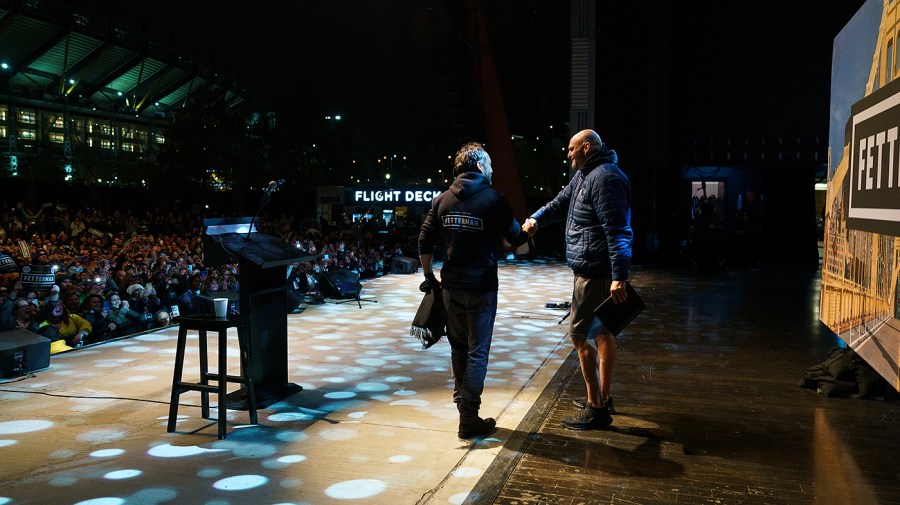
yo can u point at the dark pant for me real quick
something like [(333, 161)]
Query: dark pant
[(470, 325)]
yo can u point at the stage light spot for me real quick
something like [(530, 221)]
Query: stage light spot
[(141, 378), (291, 483), (62, 481), (122, 474), (292, 436), (466, 471), (412, 403), (340, 395), (503, 364), (371, 361), (405, 392), (24, 426), (209, 473), (286, 417), (322, 347), (334, 380), (372, 387), (153, 495), (376, 341), (398, 378), (402, 458), (173, 451), (380, 398), (338, 434), (100, 436), (240, 482), (152, 337), (4, 443), (61, 454), (102, 501), (355, 370), (355, 489), (4, 500), (356, 415), (460, 498), (107, 453), (292, 458), (137, 348)]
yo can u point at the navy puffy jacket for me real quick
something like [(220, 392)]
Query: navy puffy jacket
[(597, 207)]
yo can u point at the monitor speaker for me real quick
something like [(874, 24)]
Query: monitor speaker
[(402, 265), (341, 284), (22, 351)]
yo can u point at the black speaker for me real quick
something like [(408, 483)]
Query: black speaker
[(22, 351), (403, 265), (340, 284)]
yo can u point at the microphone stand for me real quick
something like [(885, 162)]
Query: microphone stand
[(267, 196)]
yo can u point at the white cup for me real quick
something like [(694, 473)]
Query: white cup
[(221, 305)]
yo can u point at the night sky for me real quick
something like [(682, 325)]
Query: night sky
[(391, 67), (384, 66)]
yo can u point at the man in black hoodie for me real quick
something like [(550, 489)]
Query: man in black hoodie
[(470, 219), (596, 205)]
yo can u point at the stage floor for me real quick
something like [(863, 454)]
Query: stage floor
[(374, 423)]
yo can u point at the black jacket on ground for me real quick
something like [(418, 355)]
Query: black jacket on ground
[(470, 218)]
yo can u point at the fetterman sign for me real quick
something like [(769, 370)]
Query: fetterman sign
[(875, 162)]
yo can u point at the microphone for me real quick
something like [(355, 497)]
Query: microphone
[(272, 186)]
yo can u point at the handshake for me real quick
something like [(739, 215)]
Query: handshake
[(530, 227)]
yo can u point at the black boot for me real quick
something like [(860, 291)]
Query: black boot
[(476, 427)]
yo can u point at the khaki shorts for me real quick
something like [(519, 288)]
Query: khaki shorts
[(587, 295)]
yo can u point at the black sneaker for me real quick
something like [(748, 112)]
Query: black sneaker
[(479, 428), (581, 402), (589, 418)]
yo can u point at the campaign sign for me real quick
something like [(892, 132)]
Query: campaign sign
[(37, 277), (7, 264), (874, 176)]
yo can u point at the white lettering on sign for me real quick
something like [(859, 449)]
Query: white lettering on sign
[(394, 195)]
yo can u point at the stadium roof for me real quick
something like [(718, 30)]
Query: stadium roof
[(54, 52)]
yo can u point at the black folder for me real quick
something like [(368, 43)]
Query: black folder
[(615, 317)]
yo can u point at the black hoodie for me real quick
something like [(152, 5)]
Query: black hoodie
[(470, 219)]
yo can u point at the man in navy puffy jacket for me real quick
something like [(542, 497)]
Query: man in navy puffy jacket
[(470, 218), (596, 205)]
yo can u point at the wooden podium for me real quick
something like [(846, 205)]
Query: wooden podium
[(263, 261)]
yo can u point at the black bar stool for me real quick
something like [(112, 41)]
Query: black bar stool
[(202, 324)]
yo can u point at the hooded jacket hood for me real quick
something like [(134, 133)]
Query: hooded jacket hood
[(468, 184)]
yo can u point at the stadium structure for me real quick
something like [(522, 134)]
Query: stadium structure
[(76, 90)]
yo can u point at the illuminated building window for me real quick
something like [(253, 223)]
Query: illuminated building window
[(90, 142), (58, 122), (27, 117), (2, 131), (2, 113), (127, 146), (106, 144), (56, 137), (90, 127), (106, 129), (27, 134), (160, 139), (127, 133)]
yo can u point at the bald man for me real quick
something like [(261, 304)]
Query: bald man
[(596, 205)]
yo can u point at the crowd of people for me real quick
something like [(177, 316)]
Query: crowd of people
[(116, 273)]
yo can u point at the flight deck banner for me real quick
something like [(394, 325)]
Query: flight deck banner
[(861, 250)]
